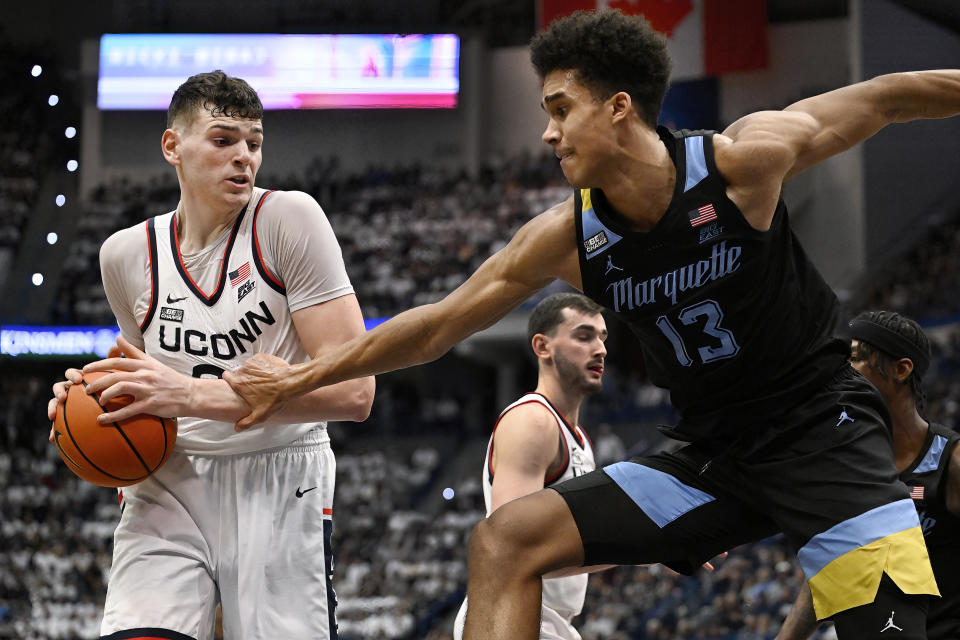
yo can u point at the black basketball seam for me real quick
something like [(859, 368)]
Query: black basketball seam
[(75, 444), (122, 434)]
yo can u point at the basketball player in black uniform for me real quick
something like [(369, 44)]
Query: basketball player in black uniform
[(893, 353), (734, 320)]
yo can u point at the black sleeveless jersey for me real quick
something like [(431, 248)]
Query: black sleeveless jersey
[(927, 480), (736, 323)]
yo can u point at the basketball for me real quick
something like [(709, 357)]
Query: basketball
[(114, 455)]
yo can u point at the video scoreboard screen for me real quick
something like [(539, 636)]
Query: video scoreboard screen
[(141, 71)]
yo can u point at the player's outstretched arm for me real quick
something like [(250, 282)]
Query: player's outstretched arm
[(850, 115), (159, 390), (541, 251), (759, 151)]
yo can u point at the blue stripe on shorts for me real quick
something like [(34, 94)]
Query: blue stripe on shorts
[(661, 496)]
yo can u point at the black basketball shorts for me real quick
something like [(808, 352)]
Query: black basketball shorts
[(823, 474)]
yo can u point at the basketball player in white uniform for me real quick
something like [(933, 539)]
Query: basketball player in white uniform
[(537, 442), (243, 519)]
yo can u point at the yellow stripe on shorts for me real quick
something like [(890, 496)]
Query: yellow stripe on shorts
[(845, 563)]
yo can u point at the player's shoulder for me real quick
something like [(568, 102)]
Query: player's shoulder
[(530, 417), (130, 241), (561, 210), (556, 219), (289, 203)]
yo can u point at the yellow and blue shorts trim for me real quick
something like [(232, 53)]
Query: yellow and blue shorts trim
[(844, 564)]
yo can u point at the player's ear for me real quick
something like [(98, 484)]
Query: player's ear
[(904, 367), (621, 104), (170, 146), (540, 343)]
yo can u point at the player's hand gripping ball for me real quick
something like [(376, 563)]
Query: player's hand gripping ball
[(113, 455)]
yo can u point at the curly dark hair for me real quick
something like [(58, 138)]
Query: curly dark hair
[(221, 94), (907, 329), (610, 52)]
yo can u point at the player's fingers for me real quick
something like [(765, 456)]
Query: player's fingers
[(73, 375), (103, 383), (237, 380), (52, 410), (251, 419), (114, 352), (132, 409), (122, 388), (129, 349), (60, 390), (118, 364), (50, 437)]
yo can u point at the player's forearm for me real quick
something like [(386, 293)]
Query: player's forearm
[(919, 94), (801, 622), (410, 338), (216, 400), (350, 401)]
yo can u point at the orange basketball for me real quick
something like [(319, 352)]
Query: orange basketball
[(114, 455)]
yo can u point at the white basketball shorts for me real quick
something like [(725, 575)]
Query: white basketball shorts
[(553, 626), (251, 531)]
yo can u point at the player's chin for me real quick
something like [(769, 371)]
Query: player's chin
[(239, 196), (593, 385)]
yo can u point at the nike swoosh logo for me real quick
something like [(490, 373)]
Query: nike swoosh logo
[(300, 493), (56, 437), (172, 300)]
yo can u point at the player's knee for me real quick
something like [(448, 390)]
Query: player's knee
[(483, 546), (494, 543)]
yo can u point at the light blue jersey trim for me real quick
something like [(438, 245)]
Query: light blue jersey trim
[(661, 496), (931, 461), (592, 226), (859, 531), (696, 162)]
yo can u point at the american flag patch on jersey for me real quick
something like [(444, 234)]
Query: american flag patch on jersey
[(916, 493), (702, 215), (241, 274)]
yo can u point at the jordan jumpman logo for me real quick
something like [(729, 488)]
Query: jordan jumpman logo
[(844, 417), (890, 624), (611, 266)]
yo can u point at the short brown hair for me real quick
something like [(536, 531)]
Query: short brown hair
[(217, 92), (548, 314)]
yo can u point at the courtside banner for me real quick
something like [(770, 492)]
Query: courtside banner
[(705, 37), (365, 71), (48, 341)]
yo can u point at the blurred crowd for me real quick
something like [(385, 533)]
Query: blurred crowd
[(923, 282), (23, 147)]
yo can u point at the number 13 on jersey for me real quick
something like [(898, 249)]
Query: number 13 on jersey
[(709, 309)]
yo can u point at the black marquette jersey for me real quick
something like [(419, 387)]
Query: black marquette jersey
[(926, 478), (737, 323)]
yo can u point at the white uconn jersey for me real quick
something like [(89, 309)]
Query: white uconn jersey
[(203, 333), (563, 595)]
